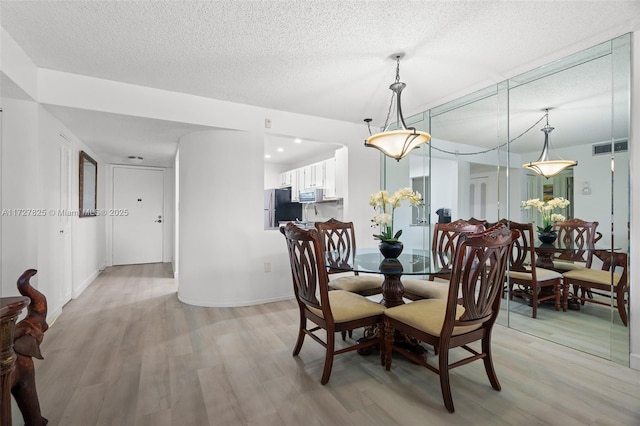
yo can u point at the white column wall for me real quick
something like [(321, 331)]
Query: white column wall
[(219, 247), (222, 246)]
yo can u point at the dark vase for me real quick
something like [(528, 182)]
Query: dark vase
[(390, 250), (547, 237)]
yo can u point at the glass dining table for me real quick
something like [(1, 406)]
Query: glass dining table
[(414, 262)]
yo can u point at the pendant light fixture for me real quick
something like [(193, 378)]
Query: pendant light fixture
[(396, 143), (544, 166)]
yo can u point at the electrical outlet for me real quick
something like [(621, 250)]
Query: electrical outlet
[(267, 266), (267, 123)]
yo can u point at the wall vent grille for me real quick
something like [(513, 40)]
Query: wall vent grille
[(605, 148)]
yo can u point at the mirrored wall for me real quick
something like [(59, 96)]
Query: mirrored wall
[(473, 169)]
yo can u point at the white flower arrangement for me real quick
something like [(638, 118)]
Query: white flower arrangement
[(547, 209), (387, 204)]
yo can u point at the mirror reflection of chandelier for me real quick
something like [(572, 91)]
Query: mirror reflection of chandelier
[(543, 165), (397, 143)]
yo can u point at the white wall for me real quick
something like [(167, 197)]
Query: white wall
[(176, 214), (20, 174), (634, 150), (29, 177)]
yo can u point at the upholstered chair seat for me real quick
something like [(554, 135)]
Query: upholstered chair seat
[(428, 316), (422, 289), (348, 306), (361, 284)]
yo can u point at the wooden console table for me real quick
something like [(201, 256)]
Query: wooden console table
[(10, 308)]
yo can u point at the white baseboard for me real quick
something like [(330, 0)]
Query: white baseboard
[(78, 291), (634, 361), (52, 316)]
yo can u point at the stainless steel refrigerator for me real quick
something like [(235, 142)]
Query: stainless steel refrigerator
[(279, 208)]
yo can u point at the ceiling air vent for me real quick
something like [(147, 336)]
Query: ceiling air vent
[(605, 148)]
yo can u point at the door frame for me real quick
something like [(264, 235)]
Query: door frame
[(67, 285), (167, 210)]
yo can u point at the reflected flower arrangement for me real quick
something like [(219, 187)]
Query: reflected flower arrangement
[(547, 209)]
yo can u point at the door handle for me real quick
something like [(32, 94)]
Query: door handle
[(158, 221)]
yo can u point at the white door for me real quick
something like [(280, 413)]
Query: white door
[(478, 197), (64, 262), (137, 215)]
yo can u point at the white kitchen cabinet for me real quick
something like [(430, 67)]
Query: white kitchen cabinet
[(330, 178), (313, 175), (318, 175), (295, 184), (307, 172), (341, 160), (328, 175), (285, 179)]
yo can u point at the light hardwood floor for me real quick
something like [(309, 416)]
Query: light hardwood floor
[(127, 352)]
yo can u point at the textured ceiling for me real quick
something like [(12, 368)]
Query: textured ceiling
[(322, 58)]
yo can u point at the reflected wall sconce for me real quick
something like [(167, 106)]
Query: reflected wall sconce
[(396, 143), (543, 165)]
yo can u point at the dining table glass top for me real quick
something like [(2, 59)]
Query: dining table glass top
[(370, 260)]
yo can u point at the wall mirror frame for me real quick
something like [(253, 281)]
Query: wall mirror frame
[(473, 166), (88, 186)]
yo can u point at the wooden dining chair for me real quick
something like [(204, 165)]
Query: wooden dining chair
[(332, 311), (472, 220), (445, 237), (478, 272), (578, 237), (612, 281), (338, 239), (531, 280)]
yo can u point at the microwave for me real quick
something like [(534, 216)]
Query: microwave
[(311, 195)]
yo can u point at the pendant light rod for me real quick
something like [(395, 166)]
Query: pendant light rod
[(544, 155), (544, 166)]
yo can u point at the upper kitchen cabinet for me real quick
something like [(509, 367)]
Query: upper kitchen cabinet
[(286, 179), (295, 184), (330, 178), (313, 175)]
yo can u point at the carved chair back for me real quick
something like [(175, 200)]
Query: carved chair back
[(445, 238), (338, 241), (578, 235), (477, 279), (308, 271)]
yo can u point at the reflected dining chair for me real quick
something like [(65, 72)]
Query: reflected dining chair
[(523, 272), (578, 237), (466, 316), (612, 279), (339, 238), (332, 311), (445, 237)]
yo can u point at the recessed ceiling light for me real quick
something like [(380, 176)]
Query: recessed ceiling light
[(280, 149), (297, 140), (267, 156)]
